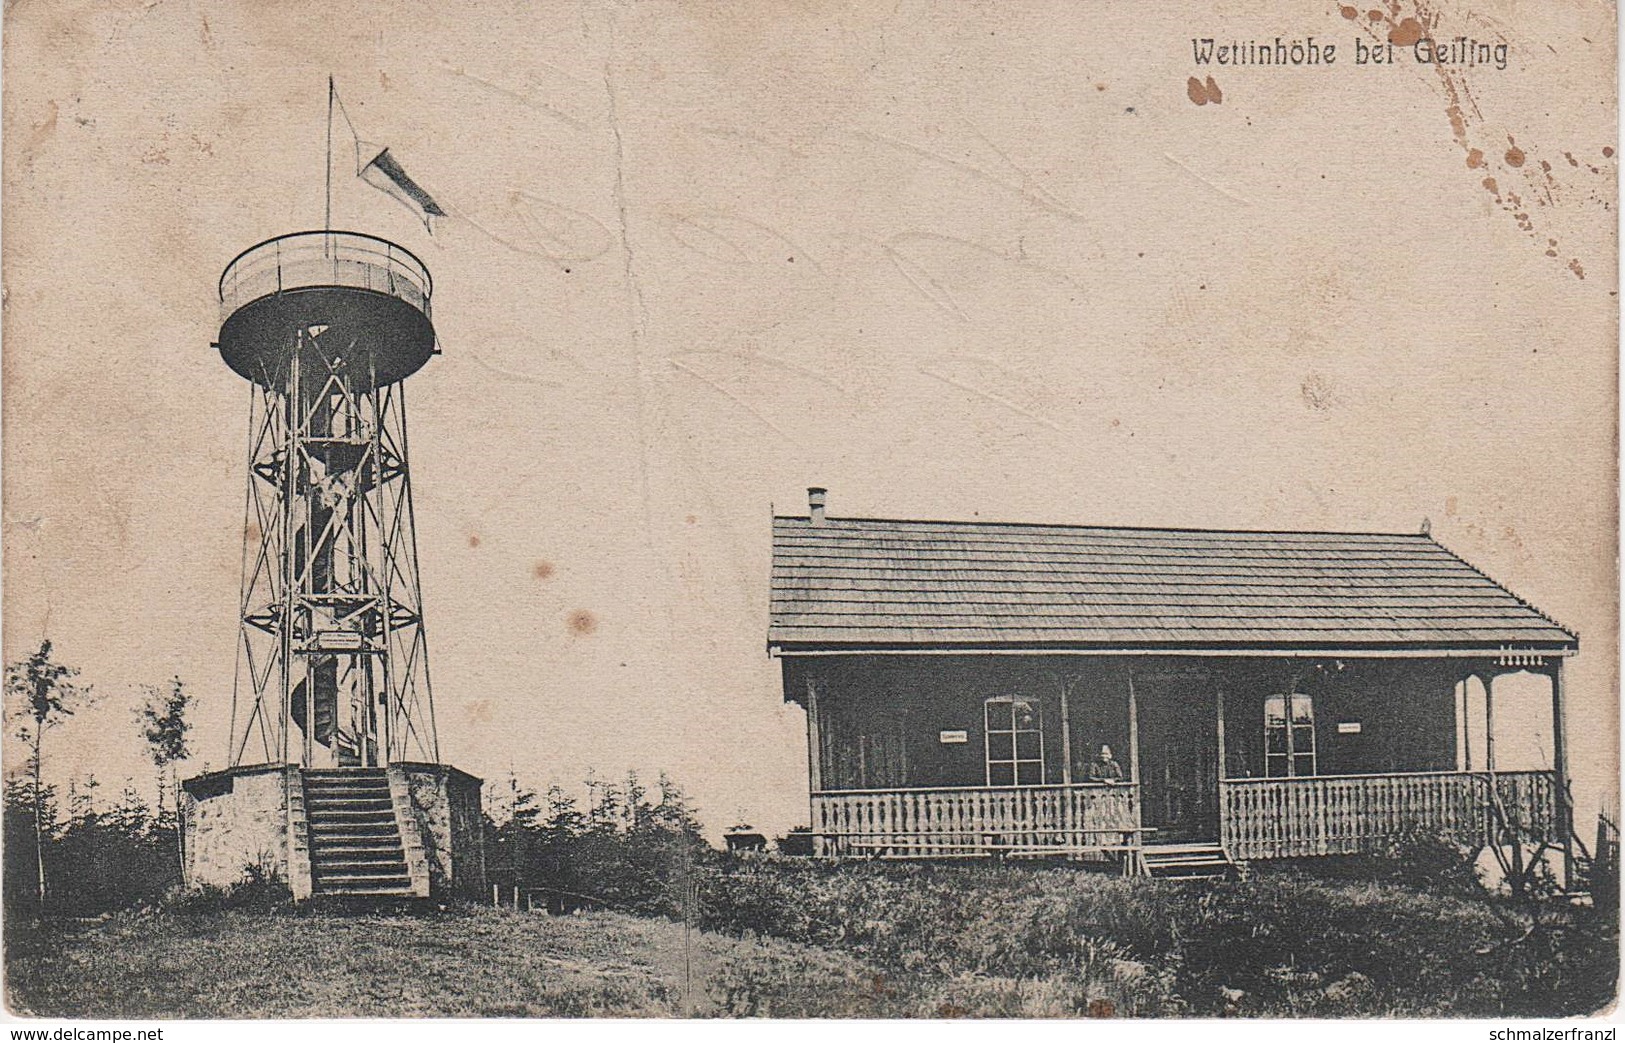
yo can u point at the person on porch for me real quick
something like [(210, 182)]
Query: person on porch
[(1104, 768)]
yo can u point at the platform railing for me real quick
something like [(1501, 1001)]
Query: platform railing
[(312, 259), (1358, 814), (970, 822)]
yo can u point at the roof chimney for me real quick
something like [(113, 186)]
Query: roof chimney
[(815, 504)]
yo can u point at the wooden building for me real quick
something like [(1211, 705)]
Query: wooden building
[(1263, 694)]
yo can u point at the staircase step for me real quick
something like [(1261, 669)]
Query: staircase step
[(372, 827), (364, 871), (390, 891), (358, 843), (1171, 849), (370, 845), (369, 832), (329, 856), (376, 880), (1189, 861), (341, 852), (353, 884), (348, 792)]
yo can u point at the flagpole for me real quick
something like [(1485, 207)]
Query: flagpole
[(327, 218)]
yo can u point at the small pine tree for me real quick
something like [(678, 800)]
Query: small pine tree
[(676, 813), (164, 726), (41, 693)]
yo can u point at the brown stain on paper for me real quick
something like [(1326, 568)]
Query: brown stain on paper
[(582, 623), (1406, 33), (40, 133), (1202, 93), (1405, 30)]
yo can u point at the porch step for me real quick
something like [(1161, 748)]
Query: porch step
[(1188, 861)]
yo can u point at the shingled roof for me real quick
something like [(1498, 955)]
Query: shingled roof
[(858, 584)]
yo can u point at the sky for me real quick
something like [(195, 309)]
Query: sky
[(950, 261)]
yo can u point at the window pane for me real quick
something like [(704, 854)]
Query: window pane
[(1001, 774), (1302, 711), (998, 714), (1275, 741), (1274, 711), (1303, 764), (1028, 746), (1030, 773), (1303, 738), (1275, 767), (1000, 747), (1026, 715)]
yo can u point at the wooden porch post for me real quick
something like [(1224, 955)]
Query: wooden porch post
[(1134, 862), (815, 747), (1489, 721), (1466, 723), (1218, 696), (815, 766), (1133, 731), (1560, 773), (1066, 733)]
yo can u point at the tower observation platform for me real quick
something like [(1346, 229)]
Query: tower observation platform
[(372, 294), (332, 711)]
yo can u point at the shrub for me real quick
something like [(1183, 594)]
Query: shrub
[(262, 889), (1282, 943), (783, 981)]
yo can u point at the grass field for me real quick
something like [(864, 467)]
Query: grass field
[(810, 940), (472, 963)]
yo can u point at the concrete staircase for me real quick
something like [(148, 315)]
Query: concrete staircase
[(1189, 862), (356, 847)]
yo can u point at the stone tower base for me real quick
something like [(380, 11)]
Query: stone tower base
[(251, 821)]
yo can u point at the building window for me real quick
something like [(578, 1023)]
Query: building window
[(1289, 741), (1015, 742)]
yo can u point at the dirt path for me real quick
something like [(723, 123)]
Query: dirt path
[(671, 955)]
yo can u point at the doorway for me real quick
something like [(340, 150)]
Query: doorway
[(1179, 778)]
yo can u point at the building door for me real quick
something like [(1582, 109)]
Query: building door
[(1179, 757)]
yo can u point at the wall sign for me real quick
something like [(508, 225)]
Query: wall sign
[(950, 737), (1348, 727)]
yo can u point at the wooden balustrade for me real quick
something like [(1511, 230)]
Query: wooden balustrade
[(976, 821), (1351, 814), (1259, 818)]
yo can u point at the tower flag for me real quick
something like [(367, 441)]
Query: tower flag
[(386, 175), (383, 171)]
